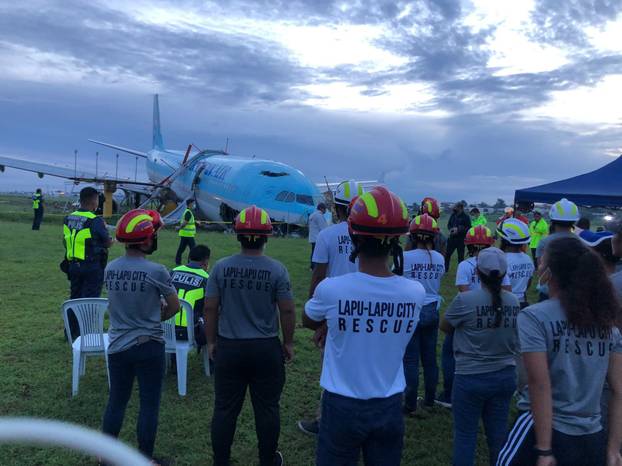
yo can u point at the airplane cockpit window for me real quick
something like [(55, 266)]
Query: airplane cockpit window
[(304, 199), (273, 174), (286, 196)]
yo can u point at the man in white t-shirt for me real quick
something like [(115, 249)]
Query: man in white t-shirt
[(515, 236), (317, 222), (331, 258), (371, 316)]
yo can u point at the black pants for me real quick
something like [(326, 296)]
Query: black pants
[(454, 243), (146, 363), (257, 364), (311, 258), (184, 242), (86, 280), (38, 218), (569, 450)]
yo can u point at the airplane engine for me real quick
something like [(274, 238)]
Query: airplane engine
[(40, 175)]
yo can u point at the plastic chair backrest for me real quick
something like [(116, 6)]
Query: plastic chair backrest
[(170, 336), (90, 315), (187, 308)]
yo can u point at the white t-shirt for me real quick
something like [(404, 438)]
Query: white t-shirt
[(467, 275), (426, 267), (317, 223), (333, 247), (520, 270), (370, 322)]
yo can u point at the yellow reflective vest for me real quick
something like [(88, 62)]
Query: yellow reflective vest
[(77, 233), (190, 284), (190, 229), (36, 201)]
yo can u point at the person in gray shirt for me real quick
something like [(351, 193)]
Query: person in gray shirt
[(317, 222), (570, 345), (246, 296), (485, 343), (135, 288)]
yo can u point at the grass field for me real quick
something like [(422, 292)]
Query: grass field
[(36, 364)]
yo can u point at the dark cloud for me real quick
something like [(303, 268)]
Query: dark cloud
[(561, 22)]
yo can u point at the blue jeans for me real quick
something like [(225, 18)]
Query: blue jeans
[(485, 396), (349, 425), (422, 344), (146, 363), (448, 363)]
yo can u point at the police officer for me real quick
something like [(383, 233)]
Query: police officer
[(187, 231), (86, 250), (371, 316), (37, 207), (190, 281), (247, 294)]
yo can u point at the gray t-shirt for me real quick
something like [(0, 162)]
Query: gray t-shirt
[(249, 288), (134, 287), (479, 346), (578, 362), (547, 239)]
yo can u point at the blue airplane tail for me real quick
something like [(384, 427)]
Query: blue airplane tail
[(157, 142)]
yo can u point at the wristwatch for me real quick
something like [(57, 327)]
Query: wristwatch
[(540, 452)]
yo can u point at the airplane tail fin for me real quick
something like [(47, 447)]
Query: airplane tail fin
[(157, 142)]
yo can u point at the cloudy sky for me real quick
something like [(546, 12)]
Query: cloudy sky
[(456, 99)]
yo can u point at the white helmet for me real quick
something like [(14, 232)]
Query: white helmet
[(564, 211), (514, 231), (346, 191)]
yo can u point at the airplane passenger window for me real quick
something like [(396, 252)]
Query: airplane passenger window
[(281, 196), (290, 197), (304, 199)]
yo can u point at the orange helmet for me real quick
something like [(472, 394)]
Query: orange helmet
[(424, 224), (479, 236), (253, 221), (429, 206), (138, 226), (378, 212)]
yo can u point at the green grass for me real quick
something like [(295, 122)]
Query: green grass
[(35, 362)]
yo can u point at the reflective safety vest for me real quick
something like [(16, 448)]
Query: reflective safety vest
[(36, 201), (77, 233), (190, 284), (190, 229)]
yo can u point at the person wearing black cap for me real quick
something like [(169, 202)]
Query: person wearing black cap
[(317, 222)]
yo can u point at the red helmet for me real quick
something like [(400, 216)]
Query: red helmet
[(424, 224), (479, 236), (378, 212), (138, 226), (429, 206), (253, 221)]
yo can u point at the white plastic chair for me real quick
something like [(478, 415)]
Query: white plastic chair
[(92, 340), (181, 348)]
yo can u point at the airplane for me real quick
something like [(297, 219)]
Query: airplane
[(221, 184)]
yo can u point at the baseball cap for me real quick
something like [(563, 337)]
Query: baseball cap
[(491, 259), (594, 238)]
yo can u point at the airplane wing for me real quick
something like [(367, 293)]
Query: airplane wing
[(365, 183), (77, 175), (122, 149)]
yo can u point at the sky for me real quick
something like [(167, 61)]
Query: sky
[(454, 99)]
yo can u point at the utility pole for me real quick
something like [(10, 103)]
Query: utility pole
[(136, 169), (116, 173), (75, 163), (96, 163)]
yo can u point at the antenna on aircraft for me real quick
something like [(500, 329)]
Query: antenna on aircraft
[(187, 154)]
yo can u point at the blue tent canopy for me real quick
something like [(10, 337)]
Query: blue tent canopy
[(599, 188)]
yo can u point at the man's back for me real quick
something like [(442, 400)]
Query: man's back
[(249, 288), (333, 247), (317, 223), (370, 322)]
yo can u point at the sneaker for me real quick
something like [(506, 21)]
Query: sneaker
[(309, 427), (278, 459), (443, 402)]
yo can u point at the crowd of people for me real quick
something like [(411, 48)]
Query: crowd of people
[(375, 312)]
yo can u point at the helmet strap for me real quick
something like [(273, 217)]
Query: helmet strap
[(398, 256)]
